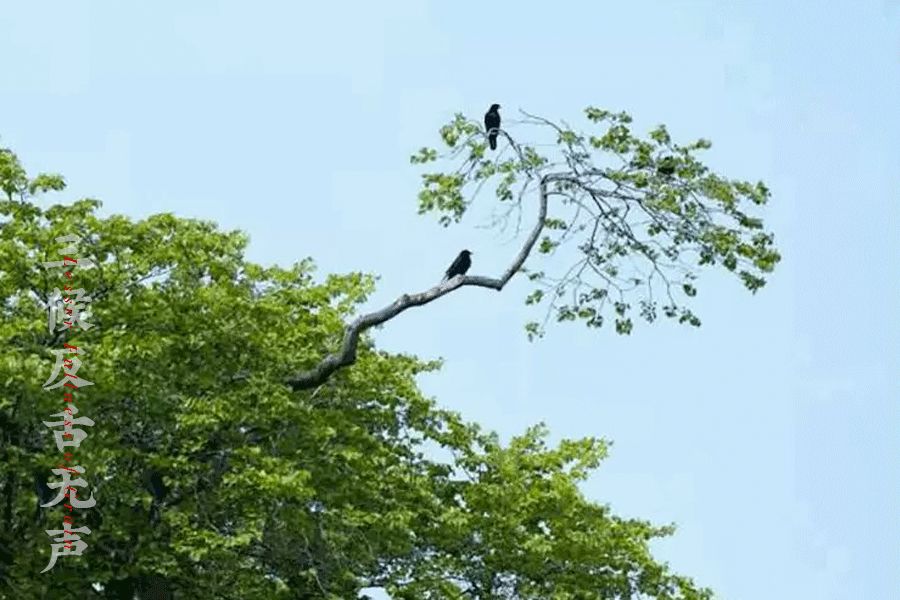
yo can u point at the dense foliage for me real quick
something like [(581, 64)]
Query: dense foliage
[(270, 493)]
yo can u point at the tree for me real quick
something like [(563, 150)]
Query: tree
[(280, 474), (645, 213)]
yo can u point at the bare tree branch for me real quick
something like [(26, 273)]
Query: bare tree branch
[(347, 354)]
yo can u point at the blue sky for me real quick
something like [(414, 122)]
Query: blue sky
[(770, 435)]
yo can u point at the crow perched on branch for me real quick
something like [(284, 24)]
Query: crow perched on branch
[(460, 265), (666, 166), (492, 124), (154, 484), (43, 491)]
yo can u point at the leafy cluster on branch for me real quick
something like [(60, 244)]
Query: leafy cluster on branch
[(272, 493), (632, 218)]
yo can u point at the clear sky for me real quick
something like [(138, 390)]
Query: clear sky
[(770, 435)]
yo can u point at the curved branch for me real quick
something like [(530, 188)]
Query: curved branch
[(347, 354)]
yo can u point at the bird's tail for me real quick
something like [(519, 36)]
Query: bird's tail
[(492, 140)]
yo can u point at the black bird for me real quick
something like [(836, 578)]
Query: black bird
[(154, 484), (460, 265), (43, 491), (492, 125), (666, 166)]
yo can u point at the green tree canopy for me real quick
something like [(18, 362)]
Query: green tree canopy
[(289, 476)]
